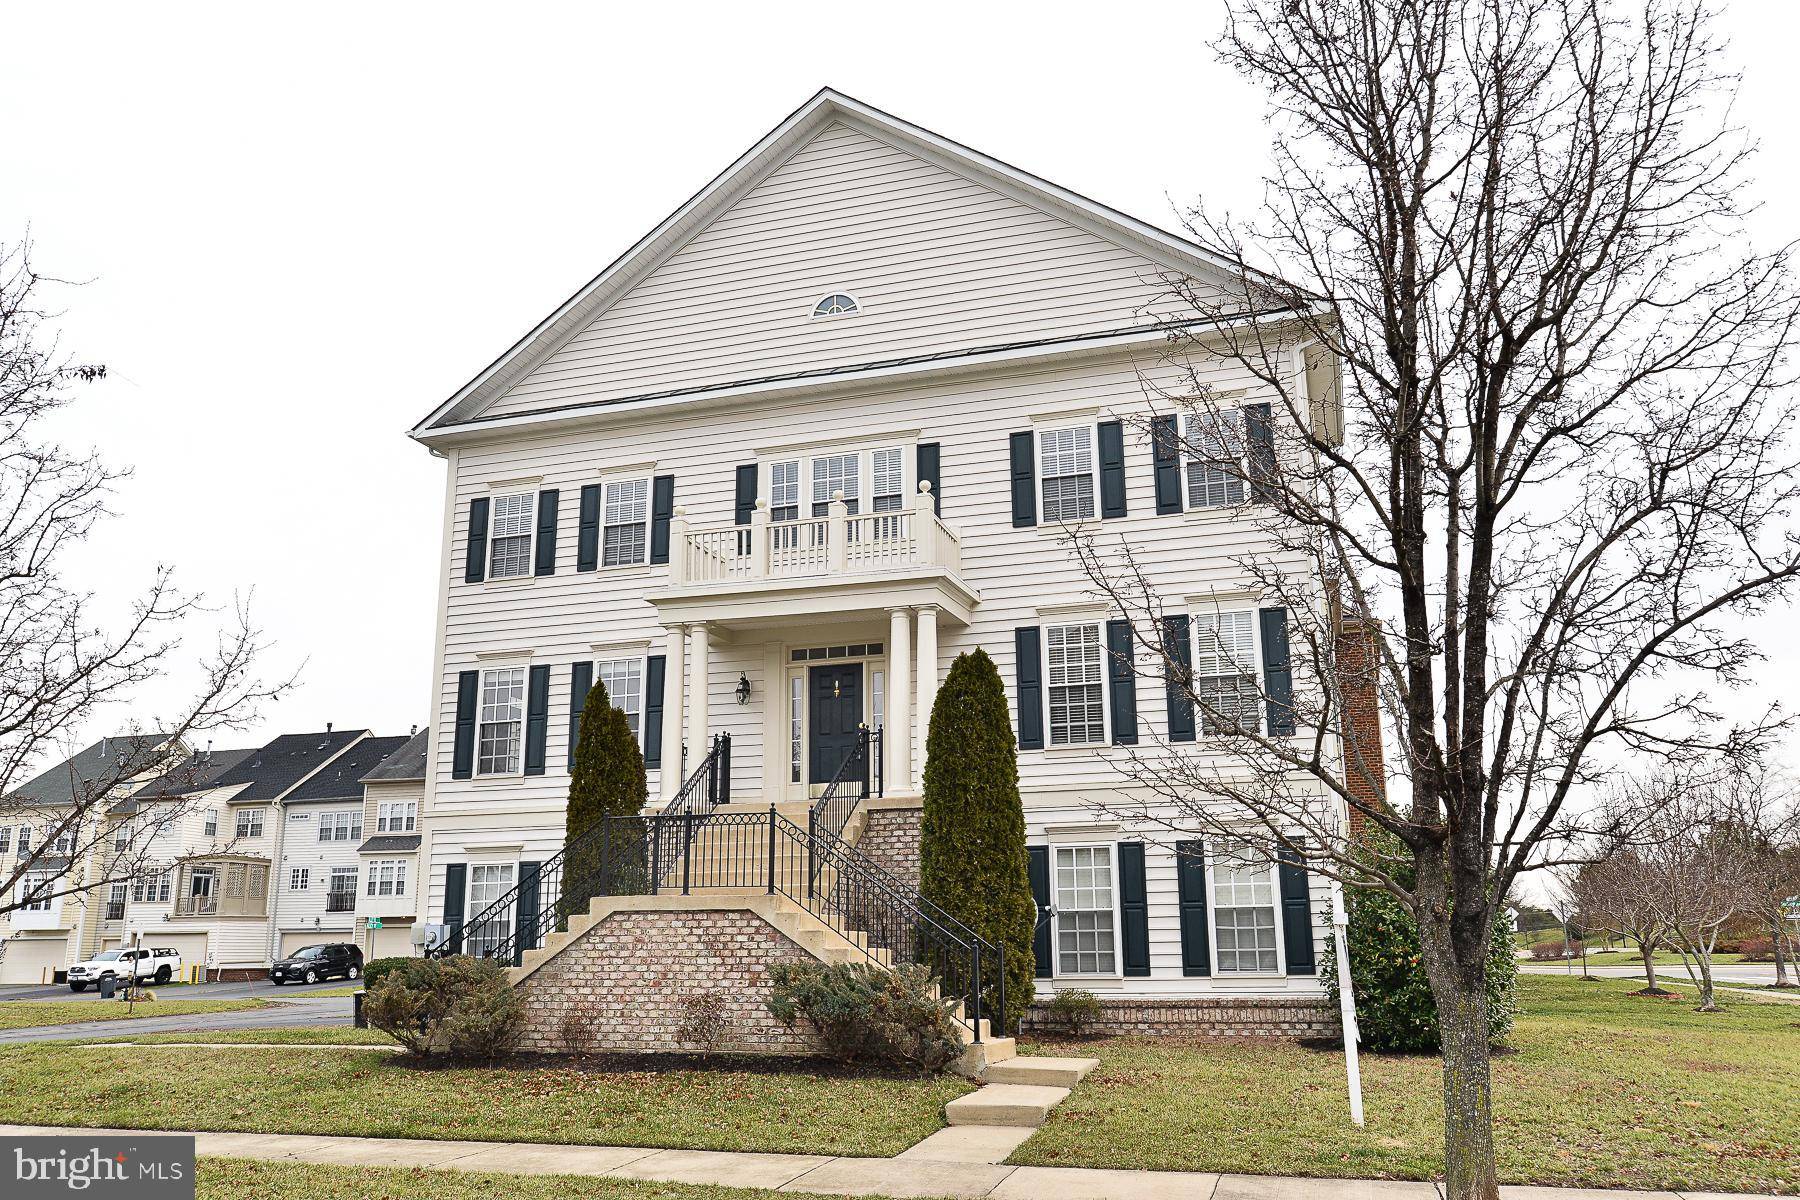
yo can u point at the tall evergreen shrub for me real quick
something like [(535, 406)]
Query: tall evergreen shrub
[(972, 858), (607, 785)]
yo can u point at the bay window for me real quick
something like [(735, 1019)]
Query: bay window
[(387, 877)]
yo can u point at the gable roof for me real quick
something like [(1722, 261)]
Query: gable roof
[(693, 217), (341, 779), (273, 770), (403, 765), (99, 767), (198, 772)]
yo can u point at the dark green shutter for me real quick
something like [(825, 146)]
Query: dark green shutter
[(654, 667), (456, 883), (1165, 449), (537, 719), (1296, 914), (1112, 469), (526, 930), (581, 681), (1190, 888), (1040, 892), (662, 510), (1134, 909), (1278, 675), (468, 699), (1029, 667), (1024, 480), (1259, 436), (587, 541), (547, 504), (925, 462), (745, 502), (1122, 682), (475, 556), (1178, 649)]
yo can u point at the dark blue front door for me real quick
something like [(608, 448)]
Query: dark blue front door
[(836, 717)]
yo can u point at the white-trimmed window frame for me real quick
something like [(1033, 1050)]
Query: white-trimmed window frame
[(251, 822), (299, 879), (1118, 944), (639, 663), (1235, 478), (209, 826), (1038, 452), (1099, 626), (619, 480), (396, 816), (1212, 854), (855, 309), (37, 891), (863, 450), (476, 904), (495, 497), (341, 825), (517, 760), (386, 878), (1197, 631)]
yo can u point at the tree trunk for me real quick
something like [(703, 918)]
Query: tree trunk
[(1459, 986), (1649, 955), (1707, 1002), (1781, 971)]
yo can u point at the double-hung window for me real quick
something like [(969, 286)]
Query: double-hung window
[(487, 883), (250, 822), (784, 491), (37, 891), (502, 721), (1215, 458), (1224, 672), (625, 523), (1243, 905), (1066, 468), (5, 839), (341, 826), (24, 840), (509, 535), (1086, 936), (211, 828), (387, 877), (397, 816), (151, 888), (624, 680), (835, 473), (1073, 659)]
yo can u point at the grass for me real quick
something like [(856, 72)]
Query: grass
[(1603, 1089), (31, 1014), (1662, 958), (371, 1094), (328, 993), (250, 1179), (314, 1035)]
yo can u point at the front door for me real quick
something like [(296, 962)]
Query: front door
[(836, 716)]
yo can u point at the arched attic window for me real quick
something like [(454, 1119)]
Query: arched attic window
[(837, 304)]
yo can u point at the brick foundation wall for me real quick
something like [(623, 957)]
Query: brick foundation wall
[(1231, 1017), (891, 841), (626, 978)]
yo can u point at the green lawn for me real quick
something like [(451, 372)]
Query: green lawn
[(371, 1094), (306, 1035), (328, 993), (249, 1179), (28, 1014), (1603, 1089), (1631, 958)]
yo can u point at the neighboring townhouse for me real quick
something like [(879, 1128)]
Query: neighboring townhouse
[(827, 427), (60, 824), (387, 903), (320, 864)]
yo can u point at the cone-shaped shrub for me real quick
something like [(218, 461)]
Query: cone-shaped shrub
[(972, 858), (606, 784)]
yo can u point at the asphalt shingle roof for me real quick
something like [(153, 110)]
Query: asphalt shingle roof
[(389, 843), (274, 769), (406, 763), (195, 773), (342, 780), (92, 771)]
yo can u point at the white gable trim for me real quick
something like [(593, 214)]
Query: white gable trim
[(760, 161)]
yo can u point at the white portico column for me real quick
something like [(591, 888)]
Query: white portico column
[(699, 666), (674, 685), (896, 748), (928, 685)]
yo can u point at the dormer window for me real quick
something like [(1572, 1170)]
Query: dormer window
[(838, 304)]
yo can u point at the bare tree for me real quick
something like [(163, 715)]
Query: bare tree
[(1612, 894), (61, 668), (1527, 423), (1767, 817)]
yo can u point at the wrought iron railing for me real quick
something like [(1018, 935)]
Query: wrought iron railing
[(855, 781)]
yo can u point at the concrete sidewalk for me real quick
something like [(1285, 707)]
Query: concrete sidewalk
[(915, 1173)]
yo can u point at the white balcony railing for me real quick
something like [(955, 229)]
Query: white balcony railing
[(838, 543)]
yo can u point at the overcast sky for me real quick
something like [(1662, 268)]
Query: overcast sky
[(301, 227)]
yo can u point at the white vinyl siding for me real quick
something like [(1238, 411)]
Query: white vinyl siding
[(1245, 934), (625, 523), (500, 732), (509, 535), (1086, 931), (1215, 458), (1224, 678), (1066, 473), (1074, 673)]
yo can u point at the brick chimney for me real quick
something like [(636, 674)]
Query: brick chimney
[(1365, 771)]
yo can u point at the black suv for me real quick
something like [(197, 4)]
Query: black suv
[(309, 964)]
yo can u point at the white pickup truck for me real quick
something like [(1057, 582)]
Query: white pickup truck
[(149, 965)]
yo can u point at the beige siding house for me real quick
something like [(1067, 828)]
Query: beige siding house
[(387, 902), (830, 425)]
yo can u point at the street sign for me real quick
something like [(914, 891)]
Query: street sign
[(374, 922)]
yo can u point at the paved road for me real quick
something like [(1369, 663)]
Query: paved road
[(332, 1010), (249, 989), (1729, 973)]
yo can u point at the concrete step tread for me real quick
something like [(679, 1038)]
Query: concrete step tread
[(1040, 1070), (1012, 1104)]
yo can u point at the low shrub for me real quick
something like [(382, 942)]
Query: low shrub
[(1076, 1010), (1556, 948), (1757, 949), (865, 1014), (455, 1007), (705, 1021), (375, 968)]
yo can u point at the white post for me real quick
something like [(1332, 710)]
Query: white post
[(925, 527), (699, 667), (674, 684), (837, 536), (1340, 928), (678, 546), (928, 682), (759, 541), (897, 737)]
